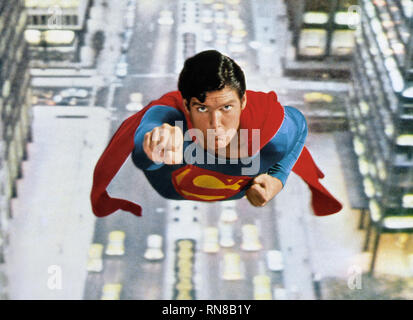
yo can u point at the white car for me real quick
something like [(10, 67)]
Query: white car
[(312, 42), (207, 16), (166, 18), (111, 291), (134, 106), (95, 263), (226, 235), (116, 245), (121, 69), (232, 267), (274, 260), (210, 243), (154, 247), (250, 238), (228, 215)]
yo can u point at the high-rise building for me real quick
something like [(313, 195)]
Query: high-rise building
[(15, 104), (322, 36), (380, 113), (56, 28)]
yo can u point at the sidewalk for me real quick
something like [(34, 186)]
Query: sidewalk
[(52, 223)]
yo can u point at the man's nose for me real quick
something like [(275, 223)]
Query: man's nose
[(215, 120)]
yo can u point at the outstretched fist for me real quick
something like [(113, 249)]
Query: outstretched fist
[(264, 187), (164, 144)]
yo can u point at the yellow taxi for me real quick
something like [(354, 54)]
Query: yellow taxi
[(211, 244), (116, 245), (232, 267), (250, 238), (95, 263), (111, 291), (262, 287)]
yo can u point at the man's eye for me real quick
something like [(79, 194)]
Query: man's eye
[(229, 107), (202, 109)]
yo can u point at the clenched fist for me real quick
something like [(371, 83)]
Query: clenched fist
[(264, 187), (164, 144)]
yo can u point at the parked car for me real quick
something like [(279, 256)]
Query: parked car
[(95, 263), (116, 245), (111, 291), (121, 69), (250, 238), (232, 267), (210, 242), (126, 39), (154, 248), (312, 42), (166, 17), (262, 287), (226, 235), (274, 260)]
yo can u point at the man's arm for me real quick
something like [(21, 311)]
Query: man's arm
[(156, 137), (266, 186)]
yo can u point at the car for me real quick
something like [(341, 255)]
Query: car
[(134, 106), (228, 215), (166, 17), (136, 97), (116, 246), (217, 6), (240, 33), (250, 239), (226, 235), (312, 97), (210, 241), (95, 263), (111, 291), (274, 260), (121, 70), (154, 248), (126, 40), (343, 43), (232, 267), (313, 42), (262, 287)]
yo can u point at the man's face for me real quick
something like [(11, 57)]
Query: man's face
[(218, 117)]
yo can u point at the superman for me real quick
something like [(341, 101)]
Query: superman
[(212, 140)]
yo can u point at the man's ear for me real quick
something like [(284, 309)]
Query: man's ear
[(186, 105), (244, 101)]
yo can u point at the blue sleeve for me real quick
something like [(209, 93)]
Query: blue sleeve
[(154, 117), (295, 127)]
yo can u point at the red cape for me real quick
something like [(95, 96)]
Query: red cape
[(263, 111)]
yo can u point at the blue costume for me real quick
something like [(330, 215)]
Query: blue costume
[(277, 157)]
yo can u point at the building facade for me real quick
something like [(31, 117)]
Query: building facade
[(56, 28), (15, 105), (380, 113)]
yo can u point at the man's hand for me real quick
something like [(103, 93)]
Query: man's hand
[(164, 144), (264, 187)]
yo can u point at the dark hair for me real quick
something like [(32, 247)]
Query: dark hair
[(210, 71)]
